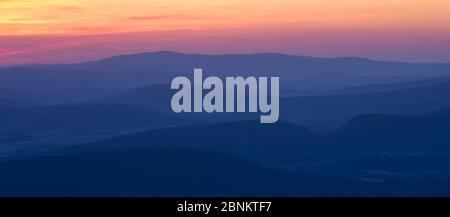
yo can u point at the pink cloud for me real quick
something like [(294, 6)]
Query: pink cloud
[(159, 17)]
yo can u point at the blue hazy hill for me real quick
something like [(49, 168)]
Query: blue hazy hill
[(13, 103), (44, 128), (380, 152), (171, 171), (57, 96), (265, 143), (393, 144), (331, 111), (322, 112), (387, 87), (414, 150), (394, 133), (260, 63), (83, 117), (156, 97), (299, 73), (49, 86), (33, 78)]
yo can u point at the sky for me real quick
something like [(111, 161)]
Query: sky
[(66, 31)]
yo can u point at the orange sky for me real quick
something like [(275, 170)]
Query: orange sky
[(73, 23)]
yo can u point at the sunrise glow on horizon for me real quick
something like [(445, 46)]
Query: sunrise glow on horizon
[(49, 31)]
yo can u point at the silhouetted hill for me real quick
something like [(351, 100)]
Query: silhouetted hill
[(317, 112), (83, 117), (42, 129), (101, 116), (267, 143), (57, 97), (219, 65), (332, 111), (425, 133), (387, 87), (281, 64), (54, 86), (170, 171), (13, 103), (156, 97), (299, 73), (29, 78)]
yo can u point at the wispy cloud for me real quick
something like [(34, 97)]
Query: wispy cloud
[(159, 17), (68, 8)]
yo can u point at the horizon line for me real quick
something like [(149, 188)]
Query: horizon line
[(219, 54)]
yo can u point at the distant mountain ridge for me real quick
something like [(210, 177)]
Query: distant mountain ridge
[(157, 60), (130, 71)]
